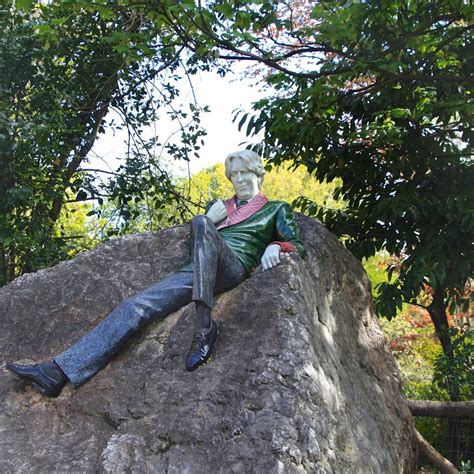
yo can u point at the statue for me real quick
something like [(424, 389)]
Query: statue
[(227, 243)]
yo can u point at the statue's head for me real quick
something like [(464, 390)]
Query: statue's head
[(245, 171)]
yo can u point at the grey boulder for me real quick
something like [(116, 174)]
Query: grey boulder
[(301, 379)]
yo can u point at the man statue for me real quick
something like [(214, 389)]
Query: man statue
[(227, 243)]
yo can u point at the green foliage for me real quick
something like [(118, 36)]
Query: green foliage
[(51, 108), (374, 94), (64, 67), (411, 340), (456, 371), (77, 229), (375, 268), (427, 373)]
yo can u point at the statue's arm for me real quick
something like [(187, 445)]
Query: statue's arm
[(287, 232), (288, 239)]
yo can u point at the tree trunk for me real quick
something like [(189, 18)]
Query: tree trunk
[(91, 118), (437, 311), (79, 156)]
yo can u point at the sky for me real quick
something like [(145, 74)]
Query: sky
[(222, 95)]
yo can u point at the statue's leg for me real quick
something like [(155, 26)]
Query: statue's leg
[(213, 262), (91, 353), (216, 268)]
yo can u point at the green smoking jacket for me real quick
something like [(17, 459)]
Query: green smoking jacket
[(248, 239)]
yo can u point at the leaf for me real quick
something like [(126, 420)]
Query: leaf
[(44, 29), (390, 271), (242, 121), (250, 126), (59, 21), (81, 195), (24, 4)]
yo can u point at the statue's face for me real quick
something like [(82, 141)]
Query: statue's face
[(245, 182)]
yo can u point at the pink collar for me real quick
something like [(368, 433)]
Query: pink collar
[(238, 214)]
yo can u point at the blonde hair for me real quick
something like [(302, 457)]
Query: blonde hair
[(252, 162)]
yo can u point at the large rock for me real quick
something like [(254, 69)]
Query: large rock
[(301, 380)]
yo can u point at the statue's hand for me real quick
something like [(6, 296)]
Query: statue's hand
[(271, 257), (217, 212)]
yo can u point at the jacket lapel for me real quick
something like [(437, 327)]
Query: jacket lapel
[(238, 214)]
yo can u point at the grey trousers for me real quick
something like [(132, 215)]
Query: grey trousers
[(215, 269)]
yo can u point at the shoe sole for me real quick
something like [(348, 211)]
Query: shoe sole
[(44, 391), (204, 362)]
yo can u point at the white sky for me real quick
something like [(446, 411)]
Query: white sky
[(222, 95)]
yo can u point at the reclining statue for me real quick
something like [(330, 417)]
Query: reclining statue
[(227, 244)]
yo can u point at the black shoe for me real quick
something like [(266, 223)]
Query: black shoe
[(201, 348), (47, 378)]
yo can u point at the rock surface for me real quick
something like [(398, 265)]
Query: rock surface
[(301, 380)]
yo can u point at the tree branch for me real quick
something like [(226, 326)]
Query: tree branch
[(95, 170), (416, 304), (441, 409), (433, 456)]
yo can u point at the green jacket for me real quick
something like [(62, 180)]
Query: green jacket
[(248, 239)]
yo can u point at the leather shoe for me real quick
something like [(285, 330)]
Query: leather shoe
[(201, 348), (47, 378)]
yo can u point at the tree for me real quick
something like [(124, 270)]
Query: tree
[(374, 93), (63, 70)]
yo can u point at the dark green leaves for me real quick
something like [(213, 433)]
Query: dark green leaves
[(24, 4), (386, 112)]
